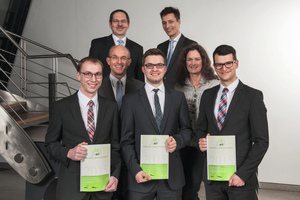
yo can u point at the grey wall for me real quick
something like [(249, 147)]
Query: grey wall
[(264, 33)]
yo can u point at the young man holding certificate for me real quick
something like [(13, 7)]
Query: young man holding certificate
[(232, 109), (147, 116), (84, 118)]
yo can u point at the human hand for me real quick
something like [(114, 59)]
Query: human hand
[(203, 143), (112, 184), (171, 144), (78, 153), (141, 177), (236, 181)]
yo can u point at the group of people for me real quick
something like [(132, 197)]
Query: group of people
[(169, 90)]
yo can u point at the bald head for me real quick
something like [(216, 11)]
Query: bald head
[(118, 60)]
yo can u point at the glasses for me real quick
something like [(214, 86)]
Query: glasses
[(116, 58), (227, 64), (158, 66), (123, 21), (97, 75)]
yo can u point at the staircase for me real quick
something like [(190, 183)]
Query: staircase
[(24, 102)]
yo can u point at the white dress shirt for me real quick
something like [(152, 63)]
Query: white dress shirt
[(160, 93), (84, 107), (115, 38), (231, 89)]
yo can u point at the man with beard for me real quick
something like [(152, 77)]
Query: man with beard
[(119, 23)]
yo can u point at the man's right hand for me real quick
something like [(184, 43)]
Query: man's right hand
[(141, 177), (77, 153), (203, 143)]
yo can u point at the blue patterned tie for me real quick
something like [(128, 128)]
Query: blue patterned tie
[(158, 114), (120, 42), (119, 93), (170, 52), (222, 109)]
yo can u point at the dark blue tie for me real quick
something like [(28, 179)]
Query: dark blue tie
[(119, 93), (158, 114)]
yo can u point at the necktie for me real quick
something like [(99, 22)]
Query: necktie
[(120, 42), (158, 114), (222, 109), (119, 93), (170, 52), (90, 121)]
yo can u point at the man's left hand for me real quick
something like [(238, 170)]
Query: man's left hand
[(236, 181), (112, 184), (171, 144)]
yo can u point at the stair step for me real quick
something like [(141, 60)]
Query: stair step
[(15, 105), (31, 118)]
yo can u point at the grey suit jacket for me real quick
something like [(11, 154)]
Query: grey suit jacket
[(170, 75), (247, 120), (66, 130), (137, 119), (107, 92), (100, 49)]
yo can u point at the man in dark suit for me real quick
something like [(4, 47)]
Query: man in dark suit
[(233, 108), (81, 119), (172, 48), (119, 24), (139, 114), (119, 60)]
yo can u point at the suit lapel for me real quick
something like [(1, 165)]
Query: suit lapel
[(176, 52), (129, 44), (211, 106), (100, 118), (110, 42), (76, 114), (167, 108), (106, 88), (145, 102)]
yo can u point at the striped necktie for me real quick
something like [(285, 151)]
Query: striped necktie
[(222, 109), (90, 120)]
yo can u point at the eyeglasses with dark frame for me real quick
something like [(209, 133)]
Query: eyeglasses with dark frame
[(227, 64), (97, 75), (116, 58), (151, 66)]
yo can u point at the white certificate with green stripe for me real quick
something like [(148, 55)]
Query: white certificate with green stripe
[(221, 157), (95, 168), (155, 156)]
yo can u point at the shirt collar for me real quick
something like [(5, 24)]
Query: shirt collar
[(149, 88), (114, 80), (84, 100), (231, 87), (177, 38), (115, 38)]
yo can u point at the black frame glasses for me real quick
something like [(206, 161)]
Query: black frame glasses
[(158, 65), (97, 75), (227, 64)]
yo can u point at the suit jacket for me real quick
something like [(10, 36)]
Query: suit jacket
[(137, 119), (170, 75), (100, 49), (107, 92), (67, 129), (246, 119)]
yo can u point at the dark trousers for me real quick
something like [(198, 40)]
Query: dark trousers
[(161, 191), (192, 160), (92, 196), (122, 191), (219, 190)]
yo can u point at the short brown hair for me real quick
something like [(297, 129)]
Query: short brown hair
[(153, 52), (168, 10), (88, 59)]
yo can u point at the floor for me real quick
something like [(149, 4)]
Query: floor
[(12, 187)]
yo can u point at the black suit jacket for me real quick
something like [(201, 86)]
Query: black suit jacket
[(137, 119), (170, 75), (100, 49), (247, 120), (107, 92), (66, 130)]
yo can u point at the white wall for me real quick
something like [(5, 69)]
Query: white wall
[(264, 33)]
